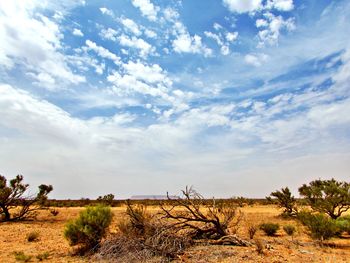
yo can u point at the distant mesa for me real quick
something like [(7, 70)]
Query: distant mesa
[(153, 197)]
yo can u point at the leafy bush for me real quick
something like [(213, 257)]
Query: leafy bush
[(42, 256), (343, 224), (270, 229), (21, 256), (89, 228), (320, 226), (289, 229), (33, 236)]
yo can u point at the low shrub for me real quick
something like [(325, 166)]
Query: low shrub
[(54, 212), (33, 236), (89, 228), (251, 231), (259, 246), (42, 256), (289, 229), (21, 256), (320, 226), (270, 229), (343, 224)]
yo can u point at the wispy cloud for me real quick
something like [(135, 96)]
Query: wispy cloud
[(145, 97)]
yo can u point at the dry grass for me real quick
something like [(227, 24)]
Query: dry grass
[(281, 248)]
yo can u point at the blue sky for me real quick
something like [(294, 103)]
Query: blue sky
[(237, 98)]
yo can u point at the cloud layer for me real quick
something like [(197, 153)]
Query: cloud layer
[(143, 97)]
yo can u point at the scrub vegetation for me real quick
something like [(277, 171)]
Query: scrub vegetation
[(183, 228)]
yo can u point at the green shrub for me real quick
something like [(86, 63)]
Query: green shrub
[(33, 236), (289, 229), (270, 229), (89, 228), (20, 256), (43, 256), (320, 226), (343, 224)]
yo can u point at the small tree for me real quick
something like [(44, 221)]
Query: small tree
[(106, 199), (12, 196), (286, 201), (327, 196)]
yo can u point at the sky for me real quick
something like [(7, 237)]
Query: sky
[(141, 97)]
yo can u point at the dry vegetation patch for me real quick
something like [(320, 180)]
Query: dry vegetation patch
[(281, 248)]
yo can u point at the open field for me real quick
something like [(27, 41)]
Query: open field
[(281, 248)]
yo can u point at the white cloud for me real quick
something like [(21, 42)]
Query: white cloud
[(150, 33), (178, 146), (150, 74), (217, 26), (215, 115), (281, 5), (147, 8), (272, 27), (225, 50), (33, 41), (261, 23), (21, 111), (331, 115), (109, 34), (255, 59), (131, 26), (243, 6), (214, 36), (138, 78), (138, 43), (83, 61), (106, 11), (43, 79), (184, 43), (77, 32), (342, 77), (171, 14), (102, 52), (223, 42), (231, 36), (129, 83)]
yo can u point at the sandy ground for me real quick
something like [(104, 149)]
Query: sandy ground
[(281, 248)]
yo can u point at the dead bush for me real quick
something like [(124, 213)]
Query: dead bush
[(252, 229), (259, 246), (143, 237), (204, 219)]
